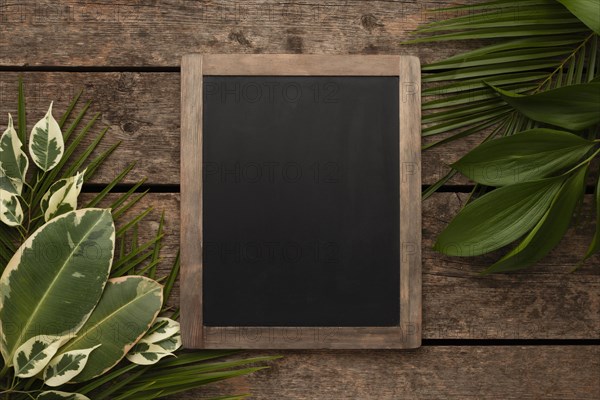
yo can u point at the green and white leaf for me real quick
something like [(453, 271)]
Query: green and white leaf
[(548, 231), (168, 328), (527, 156), (171, 344), (147, 353), (35, 354), (124, 314), (56, 395), (61, 197), (46, 143), (11, 212), (498, 218), (66, 366), (573, 107), (13, 160), (68, 259)]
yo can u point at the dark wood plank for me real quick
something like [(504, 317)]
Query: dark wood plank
[(545, 302), (143, 111), (457, 372), (158, 33)]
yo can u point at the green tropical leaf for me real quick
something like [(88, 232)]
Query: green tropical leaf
[(31, 357), (124, 314), (62, 196), (13, 160), (69, 259), (162, 329), (548, 231), (66, 366), (56, 395), (11, 212), (498, 218), (573, 107), (588, 12), (145, 353), (595, 245), (526, 156), (46, 144)]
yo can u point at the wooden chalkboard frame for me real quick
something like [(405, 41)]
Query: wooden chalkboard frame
[(194, 333)]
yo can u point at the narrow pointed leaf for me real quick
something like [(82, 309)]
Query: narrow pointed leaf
[(66, 366), (57, 395), (35, 354), (69, 259), (588, 12), (497, 218), (573, 107), (62, 196), (527, 156), (11, 212), (46, 144), (124, 314), (13, 160), (548, 231)]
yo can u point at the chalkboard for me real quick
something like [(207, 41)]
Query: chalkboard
[(295, 198)]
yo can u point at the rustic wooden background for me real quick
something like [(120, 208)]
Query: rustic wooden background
[(530, 335)]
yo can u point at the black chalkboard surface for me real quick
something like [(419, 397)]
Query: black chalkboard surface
[(300, 201)]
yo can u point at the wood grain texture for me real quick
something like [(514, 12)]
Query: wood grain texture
[(159, 32), (456, 373), (192, 331), (143, 112), (545, 302)]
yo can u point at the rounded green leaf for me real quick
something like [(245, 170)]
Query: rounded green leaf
[(548, 231), (56, 395), (11, 212), (46, 143), (527, 156), (497, 218), (588, 12), (56, 278), (124, 314), (13, 160)]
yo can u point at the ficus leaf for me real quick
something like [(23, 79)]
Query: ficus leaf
[(67, 366), (13, 160), (56, 395), (147, 353), (33, 355), (61, 197), (530, 155), (587, 11), (573, 107), (124, 314), (168, 328), (46, 143), (497, 218), (11, 212), (548, 231), (57, 274)]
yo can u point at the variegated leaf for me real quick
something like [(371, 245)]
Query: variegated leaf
[(46, 143), (11, 212), (33, 355), (13, 160), (66, 366), (124, 314), (61, 197), (171, 344), (10, 185), (147, 354), (56, 278), (167, 329), (56, 395)]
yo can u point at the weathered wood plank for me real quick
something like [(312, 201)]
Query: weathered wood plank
[(456, 372), (143, 111), (545, 302), (158, 33)]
